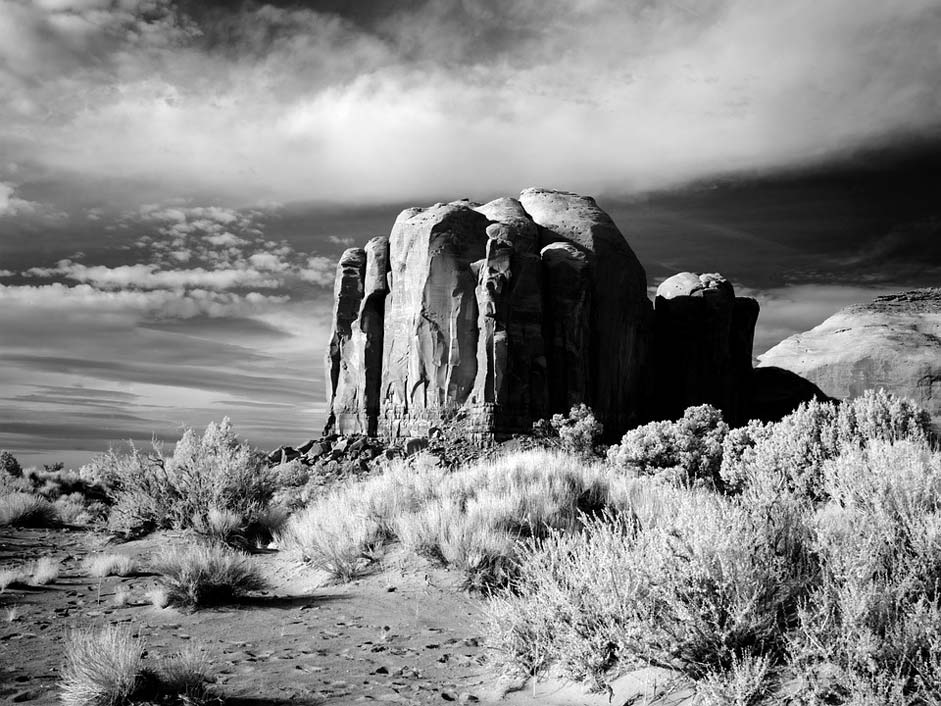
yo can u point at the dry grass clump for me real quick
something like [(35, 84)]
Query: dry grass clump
[(27, 510), (38, 573), (105, 667), (101, 565), (472, 519), (195, 576), (13, 577), (45, 571)]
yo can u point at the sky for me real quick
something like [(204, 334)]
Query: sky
[(178, 178)]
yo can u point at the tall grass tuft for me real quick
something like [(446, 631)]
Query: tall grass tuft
[(27, 510), (199, 575), (101, 565), (103, 667)]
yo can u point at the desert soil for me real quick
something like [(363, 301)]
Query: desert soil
[(403, 635)]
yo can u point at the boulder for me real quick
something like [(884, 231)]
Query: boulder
[(615, 352), (344, 366), (703, 346), (894, 343)]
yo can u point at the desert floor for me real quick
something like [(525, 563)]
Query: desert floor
[(406, 634)]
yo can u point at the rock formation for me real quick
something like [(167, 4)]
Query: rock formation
[(893, 343), (496, 315), (619, 311), (702, 346), (345, 371)]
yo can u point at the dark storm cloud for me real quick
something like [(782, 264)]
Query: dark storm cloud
[(313, 101)]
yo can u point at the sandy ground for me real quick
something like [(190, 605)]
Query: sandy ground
[(405, 635)]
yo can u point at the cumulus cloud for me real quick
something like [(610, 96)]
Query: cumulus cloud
[(450, 98), (10, 205)]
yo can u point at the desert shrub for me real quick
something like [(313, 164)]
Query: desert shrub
[(101, 565), (213, 483), (106, 667), (14, 576), (26, 510), (187, 675), (876, 613), (790, 454), (197, 575), (745, 683), (102, 668), (45, 571), (687, 579), (578, 430), (472, 518), (9, 464), (683, 451)]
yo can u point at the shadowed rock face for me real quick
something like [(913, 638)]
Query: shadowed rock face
[(703, 346), (893, 343), (344, 366), (499, 314), (620, 313)]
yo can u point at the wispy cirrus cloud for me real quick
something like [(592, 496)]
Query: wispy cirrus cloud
[(205, 311)]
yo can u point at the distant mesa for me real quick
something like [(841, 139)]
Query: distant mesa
[(893, 343), (495, 315)]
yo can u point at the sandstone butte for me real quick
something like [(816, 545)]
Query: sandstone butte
[(495, 315), (499, 314)]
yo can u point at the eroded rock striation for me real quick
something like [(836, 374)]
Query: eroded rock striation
[(495, 315), (893, 343)]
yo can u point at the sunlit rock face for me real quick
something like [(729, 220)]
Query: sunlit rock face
[(893, 343), (496, 315), (702, 346)]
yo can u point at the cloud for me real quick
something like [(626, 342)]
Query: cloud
[(10, 205), (454, 98)]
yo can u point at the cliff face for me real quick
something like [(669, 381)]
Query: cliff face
[(893, 343), (502, 313)]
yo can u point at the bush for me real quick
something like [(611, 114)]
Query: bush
[(683, 451), (102, 565), (578, 431), (471, 519), (688, 579), (103, 667), (45, 571), (199, 575), (18, 576), (876, 613), (790, 454), (9, 464), (27, 510), (213, 483)]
